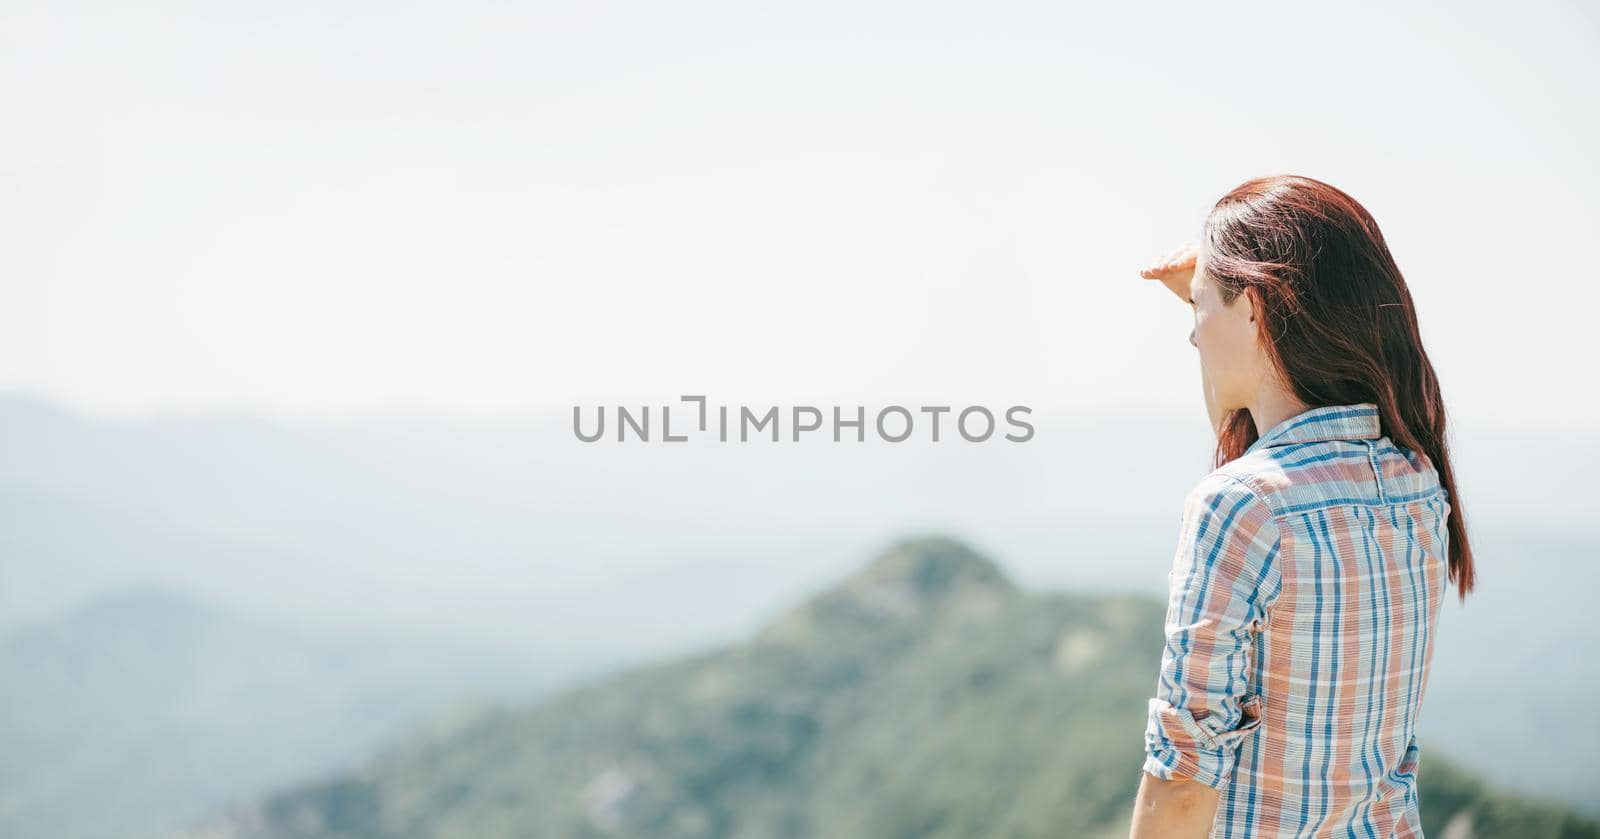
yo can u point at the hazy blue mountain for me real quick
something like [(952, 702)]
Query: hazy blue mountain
[(926, 696), (143, 709), (589, 555)]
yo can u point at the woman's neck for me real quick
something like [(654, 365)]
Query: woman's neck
[(1273, 405)]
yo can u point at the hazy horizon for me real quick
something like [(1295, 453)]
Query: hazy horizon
[(374, 502)]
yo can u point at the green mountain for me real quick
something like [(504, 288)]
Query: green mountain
[(926, 696)]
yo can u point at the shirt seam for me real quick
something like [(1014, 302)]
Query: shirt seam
[(1385, 499), (1275, 552)]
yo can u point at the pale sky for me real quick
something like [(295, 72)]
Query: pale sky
[(486, 208)]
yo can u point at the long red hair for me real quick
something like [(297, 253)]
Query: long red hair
[(1336, 319)]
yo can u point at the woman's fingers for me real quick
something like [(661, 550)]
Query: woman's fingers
[(1182, 259), (1174, 270)]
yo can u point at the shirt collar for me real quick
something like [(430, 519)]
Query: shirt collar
[(1358, 421)]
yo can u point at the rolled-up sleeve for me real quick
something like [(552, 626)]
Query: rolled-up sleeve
[(1224, 578)]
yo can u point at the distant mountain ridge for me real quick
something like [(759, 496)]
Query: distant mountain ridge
[(144, 708), (925, 696), (490, 530)]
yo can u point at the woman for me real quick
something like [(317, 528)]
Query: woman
[(1312, 562)]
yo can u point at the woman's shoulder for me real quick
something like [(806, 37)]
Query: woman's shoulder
[(1254, 478), (1225, 513), (1230, 493)]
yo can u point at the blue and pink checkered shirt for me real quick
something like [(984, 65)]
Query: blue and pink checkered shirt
[(1299, 631)]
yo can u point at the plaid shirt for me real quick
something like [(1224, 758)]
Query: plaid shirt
[(1299, 632)]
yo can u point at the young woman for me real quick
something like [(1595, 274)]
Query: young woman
[(1312, 561)]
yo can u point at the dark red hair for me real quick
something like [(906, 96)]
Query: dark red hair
[(1336, 319)]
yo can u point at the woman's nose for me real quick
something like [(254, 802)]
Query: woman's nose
[(1191, 339)]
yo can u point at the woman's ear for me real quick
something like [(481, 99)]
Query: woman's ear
[(1251, 299)]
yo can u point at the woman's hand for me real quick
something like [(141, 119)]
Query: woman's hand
[(1175, 270)]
